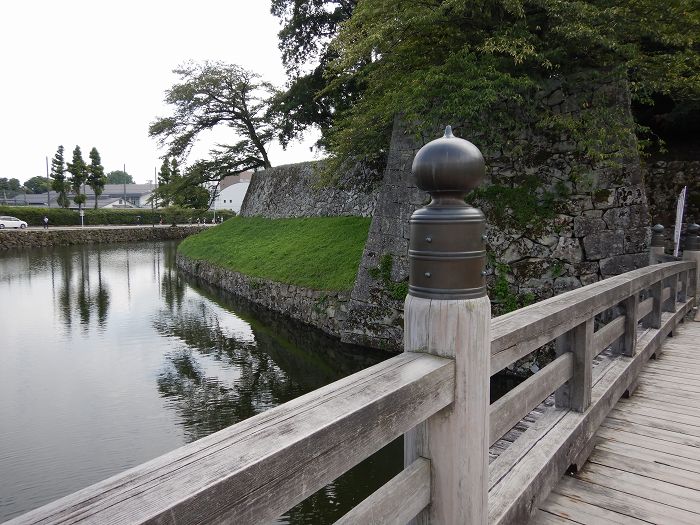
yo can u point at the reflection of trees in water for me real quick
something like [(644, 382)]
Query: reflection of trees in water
[(78, 297), (172, 283), (285, 361), (207, 404)]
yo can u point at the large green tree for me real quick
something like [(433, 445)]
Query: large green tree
[(486, 63), (9, 187), (214, 94), (79, 172), (307, 28), (59, 184), (188, 189), (96, 178), (119, 177), (37, 184)]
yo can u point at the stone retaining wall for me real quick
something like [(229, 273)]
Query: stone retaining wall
[(14, 239), (325, 310), (293, 190)]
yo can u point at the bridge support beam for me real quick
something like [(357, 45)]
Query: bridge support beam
[(447, 313)]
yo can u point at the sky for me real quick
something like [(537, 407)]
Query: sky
[(94, 74)]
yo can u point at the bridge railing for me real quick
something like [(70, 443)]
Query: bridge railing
[(569, 319), (436, 394)]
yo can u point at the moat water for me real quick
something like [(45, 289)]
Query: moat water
[(110, 357)]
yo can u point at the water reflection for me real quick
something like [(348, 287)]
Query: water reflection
[(111, 357)]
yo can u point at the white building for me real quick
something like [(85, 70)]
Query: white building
[(232, 190)]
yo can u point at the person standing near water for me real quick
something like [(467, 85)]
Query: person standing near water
[(46, 222)]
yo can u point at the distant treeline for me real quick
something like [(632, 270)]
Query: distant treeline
[(34, 216)]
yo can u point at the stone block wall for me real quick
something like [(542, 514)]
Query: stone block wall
[(14, 239), (664, 181), (322, 309), (571, 223), (293, 190)]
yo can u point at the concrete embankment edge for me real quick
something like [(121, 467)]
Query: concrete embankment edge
[(325, 310), (19, 239)]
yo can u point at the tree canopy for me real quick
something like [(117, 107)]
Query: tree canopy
[(213, 94), (96, 178), (79, 172), (307, 30), (37, 184), (59, 184), (440, 61), (119, 177)]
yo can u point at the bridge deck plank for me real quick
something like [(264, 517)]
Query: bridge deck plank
[(646, 461)]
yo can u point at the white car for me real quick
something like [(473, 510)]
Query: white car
[(11, 222)]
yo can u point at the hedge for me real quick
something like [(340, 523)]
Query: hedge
[(34, 216)]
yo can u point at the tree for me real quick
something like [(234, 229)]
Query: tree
[(11, 187), (307, 28), (59, 183), (119, 177), (37, 184), (162, 194), (79, 173), (214, 94), (434, 62), (96, 174)]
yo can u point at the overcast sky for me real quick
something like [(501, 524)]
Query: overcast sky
[(94, 73)]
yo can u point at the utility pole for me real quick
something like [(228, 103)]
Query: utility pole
[(124, 186), (48, 185)]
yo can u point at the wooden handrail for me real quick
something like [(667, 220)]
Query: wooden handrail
[(518, 333), (255, 470), (532, 327)]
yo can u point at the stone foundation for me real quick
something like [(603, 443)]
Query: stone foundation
[(325, 310), (17, 239)]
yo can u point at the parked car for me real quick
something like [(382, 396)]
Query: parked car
[(11, 222)]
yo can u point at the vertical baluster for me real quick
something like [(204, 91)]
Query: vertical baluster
[(653, 320), (576, 393), (629, 339)]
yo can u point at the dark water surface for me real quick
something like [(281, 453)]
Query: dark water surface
[(109, 357)]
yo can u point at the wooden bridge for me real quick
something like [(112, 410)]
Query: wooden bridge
[(619, 405)]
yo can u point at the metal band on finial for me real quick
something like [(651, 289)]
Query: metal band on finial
[(447, 253), (657, 236), (692, 238)]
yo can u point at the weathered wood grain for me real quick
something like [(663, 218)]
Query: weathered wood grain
[(629, 333), (456, 439), (526, 484), (253, 471), (396, 502), (623, 503), (518, 333), (516, 404), (608, 334), (576, 393), (585, 513), (645, 308)]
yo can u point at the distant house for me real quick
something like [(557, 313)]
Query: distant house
[(114, 196), (232, 190)]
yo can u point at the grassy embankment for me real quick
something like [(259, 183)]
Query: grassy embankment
[(321, 253), (34, 216)]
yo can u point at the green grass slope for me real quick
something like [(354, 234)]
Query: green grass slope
[(321, 253)]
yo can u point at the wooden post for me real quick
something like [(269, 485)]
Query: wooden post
[(670, 305), (653, 320), (447, 313), (576, 392), (657, 248), (629, 339), (692, 253)]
